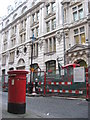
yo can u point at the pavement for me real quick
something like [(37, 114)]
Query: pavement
[(29, 114), (69, 98)]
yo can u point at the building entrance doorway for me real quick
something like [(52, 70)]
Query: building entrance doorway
[(81, 63)]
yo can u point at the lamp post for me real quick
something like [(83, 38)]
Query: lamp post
[(31, 85)]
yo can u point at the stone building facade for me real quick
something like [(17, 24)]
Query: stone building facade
[(61, 29), (77, 31), (31, 17)]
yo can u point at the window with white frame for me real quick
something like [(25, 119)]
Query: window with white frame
[(78, 12), (64, 15), (24, 37), (48, 9), (32, 32), (23, 24), (4, 59), (21, 38), (50, 50), (53, 7), (54, 44), (35, 50), (33, 18), (5, 44), (48, 26), (79, 35), (11, 57), (13, 30), (53, 23), (37, 31), (50, 45), (13, 42), (5, 36), (37, 15)]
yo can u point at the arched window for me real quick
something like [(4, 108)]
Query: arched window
[(24, 9), (7, 22), (14, 17)]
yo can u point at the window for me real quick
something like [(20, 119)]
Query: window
[(35, 50), (82, 36), (78, 12), (25, 23), (37, 15), (48, 9), (3, 59), (24, 37), (5, 45), (11, 58), (76, 39), (53, 23), (51, 65), (33, 18), (53, 7), (79, 35), (48, 26), (5, 36), (76, 31), (50, 45), (81, 14), (37, 31), (64, 15), (14, 30), (54, 43), (21, 40), (21, 24), (75, 16), (46, 50), (13, 42), (32, 32)]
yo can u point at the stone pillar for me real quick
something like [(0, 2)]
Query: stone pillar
[(48, 45), (43, 21), (35, 17), (52, 44), (50, 25), (59, 16)]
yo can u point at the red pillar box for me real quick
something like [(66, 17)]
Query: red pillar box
[(17, 91)]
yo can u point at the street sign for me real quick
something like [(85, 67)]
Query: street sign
[(79, 74)]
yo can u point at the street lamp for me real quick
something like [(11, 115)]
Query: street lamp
[(31, 85)]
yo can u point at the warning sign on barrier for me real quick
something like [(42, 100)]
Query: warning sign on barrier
[(79, 74)]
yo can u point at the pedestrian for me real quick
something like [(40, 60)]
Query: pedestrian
[(36, 85)]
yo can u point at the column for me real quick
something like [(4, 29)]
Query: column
[(40, 21), (50, 25), (48, 45), (52, 44), (43, 22), (35, 17)]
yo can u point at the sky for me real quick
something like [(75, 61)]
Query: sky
[(3, 6)]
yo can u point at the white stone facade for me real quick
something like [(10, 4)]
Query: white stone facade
[(18, 27), (44, 20)]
